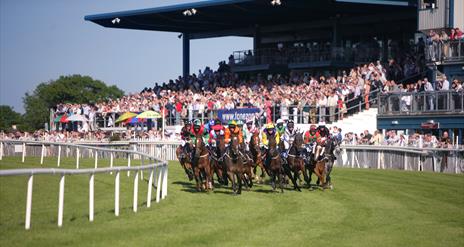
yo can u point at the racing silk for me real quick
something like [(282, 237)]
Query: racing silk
[(321, 140), (201, 132), (228, 135), (311, 138), (265, 138), (185, 133), (288, 137), (213, 137), (281, 131)]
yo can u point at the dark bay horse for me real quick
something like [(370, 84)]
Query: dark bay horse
[(323, 168), (235, 166), (217, 154), (185, 161), (257, 157), (295, 162), (275, 165), (201, 165)]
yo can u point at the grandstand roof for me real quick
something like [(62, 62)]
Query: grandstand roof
[(215, 18)]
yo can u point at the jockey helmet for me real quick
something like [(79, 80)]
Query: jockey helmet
[(187, 123), (232, 124), (312, 128), (197, 122), (240, 123), (290, 124)]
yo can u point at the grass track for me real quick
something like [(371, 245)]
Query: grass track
[(366, 208)]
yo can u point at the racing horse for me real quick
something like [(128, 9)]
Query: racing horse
[(257, 157), (185, 161), (234, 165), (217, 154), (295, 162), (275, 165), (323, 167), (201, 165)]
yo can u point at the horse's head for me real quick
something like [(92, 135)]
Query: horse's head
[(199, 146), (298, 142)]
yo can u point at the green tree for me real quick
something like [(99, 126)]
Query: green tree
[(74, 89), (8, 117)]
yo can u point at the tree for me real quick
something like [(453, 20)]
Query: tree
[(75, 89), (8, 117)]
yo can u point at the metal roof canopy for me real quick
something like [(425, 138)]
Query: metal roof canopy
[(216, 18)]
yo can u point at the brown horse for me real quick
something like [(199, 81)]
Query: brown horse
[(321, 172), (235, 166), (295, 162), (275, 165), (217, 160), (257, 156), (201, 165), (185, 161)]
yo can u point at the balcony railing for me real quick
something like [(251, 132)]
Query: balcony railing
[(287, 56), (421, 103), (445, 51)]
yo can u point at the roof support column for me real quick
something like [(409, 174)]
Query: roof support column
[(185, 55)]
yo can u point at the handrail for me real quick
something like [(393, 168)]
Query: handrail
[(415, 150), (157, 176)]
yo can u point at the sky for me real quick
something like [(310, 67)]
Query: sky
[(42, 40)]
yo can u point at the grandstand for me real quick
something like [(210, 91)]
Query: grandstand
[(308, 39)]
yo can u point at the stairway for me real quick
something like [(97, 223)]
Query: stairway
[(357, 123)]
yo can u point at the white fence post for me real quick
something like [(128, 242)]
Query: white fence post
[(91, 196), (96, 159), (158, 186), (1, 150), (150, 182), (59, 155), (136, 190), (141, 171), (405, 161), (29, 202), (77, 158), (42, 155), (24, 152), (61, 202), (165, 181), (116, 194)]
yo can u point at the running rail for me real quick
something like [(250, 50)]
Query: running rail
[(158, 170)]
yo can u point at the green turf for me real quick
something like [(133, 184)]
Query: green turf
[(366, 208)]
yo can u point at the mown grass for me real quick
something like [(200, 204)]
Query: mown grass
[(366, 208)]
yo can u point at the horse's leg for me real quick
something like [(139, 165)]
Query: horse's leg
[(234, 184), (288, 172), (240, 177), (281, 182), (296, 175), (307, 179), (273, 179), (197, 178)]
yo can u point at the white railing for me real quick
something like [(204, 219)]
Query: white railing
[(158, 170), (403, 158)]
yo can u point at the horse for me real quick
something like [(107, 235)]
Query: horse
[(201, 165), (295, 162), (323, 168), (217, 160), (275, 164), (257, 157), (185, 161), (234, 165)]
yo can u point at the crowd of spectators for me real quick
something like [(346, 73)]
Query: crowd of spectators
[(400, 139), (442, 45)]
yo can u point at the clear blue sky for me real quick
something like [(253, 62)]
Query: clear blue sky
[(41, 40)]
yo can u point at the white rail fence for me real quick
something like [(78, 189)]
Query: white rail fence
[(157, 169)]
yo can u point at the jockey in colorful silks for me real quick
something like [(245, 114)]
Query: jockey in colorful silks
[(321, 141), (268, 133), (185, 136), (288, 137), (216, 130)]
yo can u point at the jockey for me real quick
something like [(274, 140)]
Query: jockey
[(311, 136), (197, 130), (233, 131), (280, 127), (323, 137), (248, 130), (185, 135), (268, 133), (216, 130), (288, 137)]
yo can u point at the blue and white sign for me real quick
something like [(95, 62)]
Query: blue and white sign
[(237, 114)]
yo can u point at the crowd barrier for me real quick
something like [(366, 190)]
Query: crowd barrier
[(156, 167), (355, 156)]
